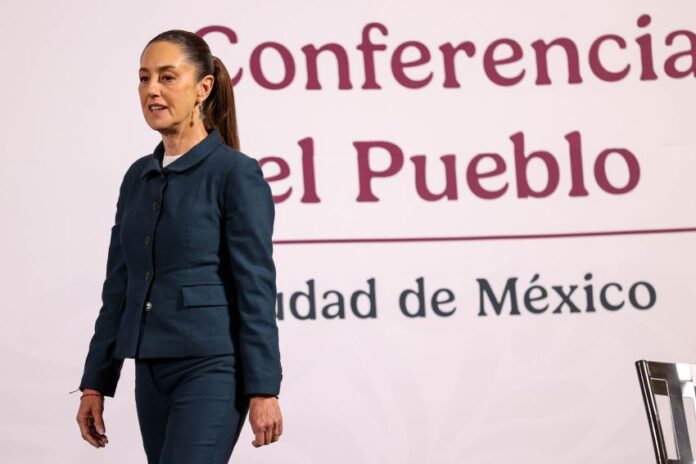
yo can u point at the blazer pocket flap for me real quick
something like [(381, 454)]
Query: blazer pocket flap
[(204, 295)]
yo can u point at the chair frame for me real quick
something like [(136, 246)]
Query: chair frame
[(675, 381)]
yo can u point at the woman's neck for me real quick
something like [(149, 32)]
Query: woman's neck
[(181, 141)]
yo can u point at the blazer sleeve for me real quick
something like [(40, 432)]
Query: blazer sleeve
[(101, 372), (249, 214)]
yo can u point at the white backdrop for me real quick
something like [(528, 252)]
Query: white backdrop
[(473, 386)]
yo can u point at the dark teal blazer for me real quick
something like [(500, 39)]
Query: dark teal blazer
[(190, 270)]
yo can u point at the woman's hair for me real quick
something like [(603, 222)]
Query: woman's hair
[(218, 108)]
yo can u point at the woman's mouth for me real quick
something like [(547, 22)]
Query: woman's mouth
[(156, 108)]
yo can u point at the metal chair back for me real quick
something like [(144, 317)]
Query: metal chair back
[(675, 381)]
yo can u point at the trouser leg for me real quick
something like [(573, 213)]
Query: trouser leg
[(205, 408), (152, 411)]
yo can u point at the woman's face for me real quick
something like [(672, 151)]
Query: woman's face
[(168, 89)]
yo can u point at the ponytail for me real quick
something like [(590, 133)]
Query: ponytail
[(219, 109)]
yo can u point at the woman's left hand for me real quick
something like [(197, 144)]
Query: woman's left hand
[(266, 419)]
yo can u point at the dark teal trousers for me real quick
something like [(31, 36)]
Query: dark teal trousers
[(191, 410)]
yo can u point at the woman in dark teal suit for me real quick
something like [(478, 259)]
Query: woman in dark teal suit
[(190, 281)]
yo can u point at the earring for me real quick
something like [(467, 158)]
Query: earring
[(200, 111), (192, 113)]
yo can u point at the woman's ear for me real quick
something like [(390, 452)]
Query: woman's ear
[(205, 86)]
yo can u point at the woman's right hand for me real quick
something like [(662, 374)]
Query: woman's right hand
[(90, 418)]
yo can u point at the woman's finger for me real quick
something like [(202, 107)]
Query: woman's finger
[(97, 410), (83, 421), (100, 437), (259, 439), (98, 428), (277, 431)]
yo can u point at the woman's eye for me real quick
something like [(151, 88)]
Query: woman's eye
[(166, 78)]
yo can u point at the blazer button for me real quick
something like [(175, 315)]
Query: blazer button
[(147, 275), (147, 239), (155, 205), (148, 306)]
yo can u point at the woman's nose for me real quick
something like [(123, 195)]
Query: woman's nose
[(152, 87)]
